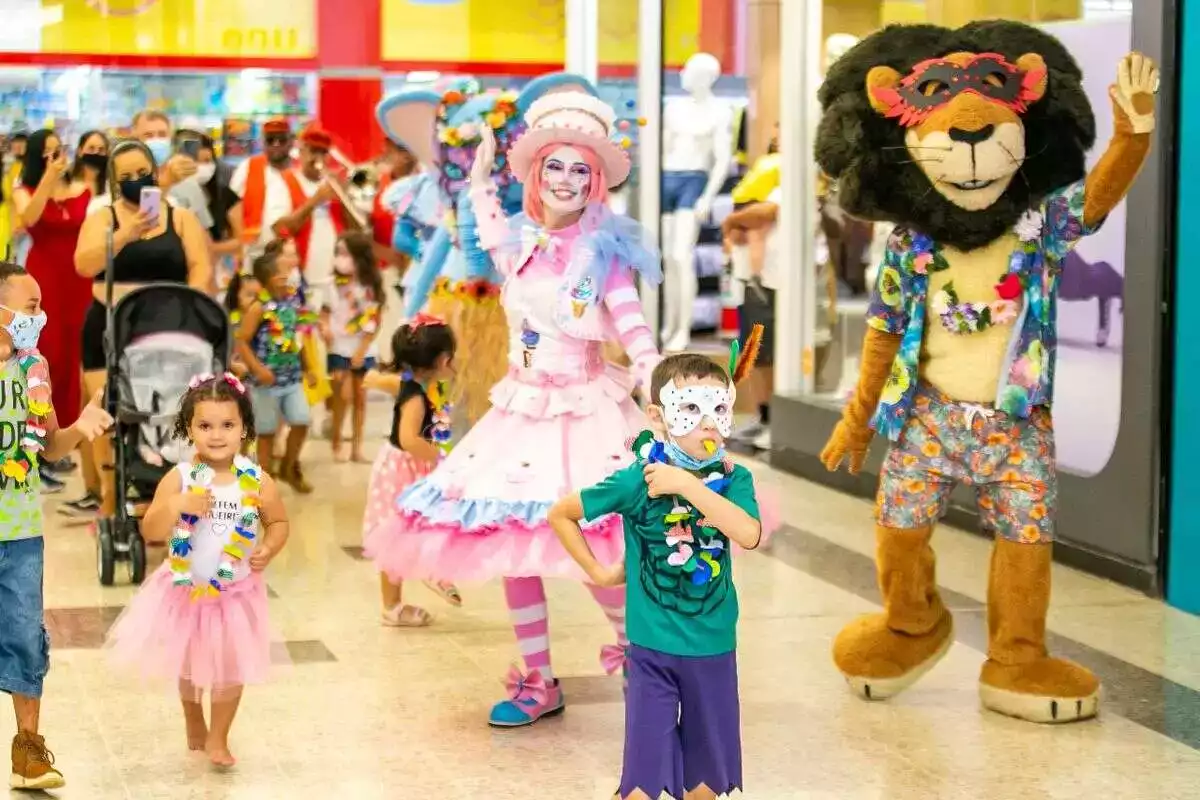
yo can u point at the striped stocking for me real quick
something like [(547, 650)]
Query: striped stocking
[(527, 606)]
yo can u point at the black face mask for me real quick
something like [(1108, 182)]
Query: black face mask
[(96, 161), (131, 189)]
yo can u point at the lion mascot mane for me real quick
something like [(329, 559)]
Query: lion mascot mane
[(972, 142)]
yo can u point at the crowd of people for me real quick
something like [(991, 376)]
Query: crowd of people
[(535, 487)]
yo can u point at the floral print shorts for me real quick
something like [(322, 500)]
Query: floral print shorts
[(1010, 462)]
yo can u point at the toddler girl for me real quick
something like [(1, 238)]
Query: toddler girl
[(423, 351), (201, 618), (350, 319), (269, 343)]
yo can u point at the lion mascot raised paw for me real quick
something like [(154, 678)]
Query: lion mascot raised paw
[(972, 142)]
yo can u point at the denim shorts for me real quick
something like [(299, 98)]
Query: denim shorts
[(336, 363), (271, 402), (681, 190), (24, 643)]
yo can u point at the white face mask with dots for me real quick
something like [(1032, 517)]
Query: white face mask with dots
[(683, 409)]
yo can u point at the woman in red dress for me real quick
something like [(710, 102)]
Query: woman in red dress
[(51, 208)]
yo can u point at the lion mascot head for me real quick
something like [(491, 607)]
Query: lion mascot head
[(954, 133)]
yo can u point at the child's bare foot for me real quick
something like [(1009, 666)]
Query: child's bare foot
[(358, 458), (197, 734), (219, 755), (339, 454)]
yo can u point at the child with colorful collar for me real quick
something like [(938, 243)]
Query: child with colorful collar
[(201, 618), (683, 504), (26, 414), (269, 344)]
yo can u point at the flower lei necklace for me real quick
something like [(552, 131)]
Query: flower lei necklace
[(438, 394), (962, 317), (694, 554), (249, 480), (24, 459), (364, 315), (284, 323)]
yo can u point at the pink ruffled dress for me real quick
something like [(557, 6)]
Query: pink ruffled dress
[(560, 420), (215, 643)]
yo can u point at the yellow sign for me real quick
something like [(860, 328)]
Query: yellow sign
[(224, 28), (529, 31)]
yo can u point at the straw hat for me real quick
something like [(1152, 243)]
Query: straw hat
[(570, 118)]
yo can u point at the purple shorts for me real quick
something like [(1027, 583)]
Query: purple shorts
[(682, 724)]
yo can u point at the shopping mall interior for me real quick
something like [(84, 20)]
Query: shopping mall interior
[(325, 266)]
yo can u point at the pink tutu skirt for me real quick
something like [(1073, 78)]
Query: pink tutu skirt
[(214, 643), (482, 513), (393, 471)]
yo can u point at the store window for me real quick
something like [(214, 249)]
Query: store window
[(847, 251), (704, 129)]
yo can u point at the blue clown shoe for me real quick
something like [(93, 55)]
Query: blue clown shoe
[(530, 697)]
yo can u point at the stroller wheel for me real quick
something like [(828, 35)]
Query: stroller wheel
[(106, 556), (137, 554)]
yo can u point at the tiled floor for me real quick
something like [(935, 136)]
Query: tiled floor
[(365, 712)]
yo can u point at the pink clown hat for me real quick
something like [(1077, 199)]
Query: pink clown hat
[(571, 118)]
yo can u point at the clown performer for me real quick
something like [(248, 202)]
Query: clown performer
[(561, 418), (973, 142), (455, 278)]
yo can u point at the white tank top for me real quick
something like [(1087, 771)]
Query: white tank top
[(210, 534)]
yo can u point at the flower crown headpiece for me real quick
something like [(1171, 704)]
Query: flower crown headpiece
[(457, 143), (229, 378)]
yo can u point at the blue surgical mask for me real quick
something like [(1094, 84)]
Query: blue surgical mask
[(24, 329), (679, 458), (160, 148)]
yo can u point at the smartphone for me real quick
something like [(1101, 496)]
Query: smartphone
[(189, 148), (151, 204)]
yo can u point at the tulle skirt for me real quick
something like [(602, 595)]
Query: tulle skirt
[(393, 471), (214, 643), (482, 513)]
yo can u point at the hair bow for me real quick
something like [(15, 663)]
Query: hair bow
[(199, 380), (527, 687), (422, 319)]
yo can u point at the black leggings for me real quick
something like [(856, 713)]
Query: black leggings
[(94, 325)]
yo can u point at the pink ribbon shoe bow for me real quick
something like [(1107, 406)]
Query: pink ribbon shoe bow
[(612, 658), (526, 687)]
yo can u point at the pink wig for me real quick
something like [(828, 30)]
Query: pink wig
[(532, 183)]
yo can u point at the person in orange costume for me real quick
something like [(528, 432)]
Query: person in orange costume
[(972, 141)]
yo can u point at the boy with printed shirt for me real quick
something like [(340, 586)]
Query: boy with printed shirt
[(29, 432), (682, 504)]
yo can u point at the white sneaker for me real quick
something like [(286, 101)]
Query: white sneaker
[(763, 440)]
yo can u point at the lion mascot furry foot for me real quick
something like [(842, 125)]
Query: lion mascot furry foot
[(972, 142)]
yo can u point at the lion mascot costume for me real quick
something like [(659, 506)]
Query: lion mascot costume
[(972, 142)]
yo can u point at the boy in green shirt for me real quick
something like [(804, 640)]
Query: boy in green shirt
[(682, 503), (29, 432)]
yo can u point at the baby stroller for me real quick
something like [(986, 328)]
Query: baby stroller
[(158, 338)]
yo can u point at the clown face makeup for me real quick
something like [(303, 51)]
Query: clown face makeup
[(565, 180)]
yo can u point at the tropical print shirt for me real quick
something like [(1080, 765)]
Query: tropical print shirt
[(898, 306)]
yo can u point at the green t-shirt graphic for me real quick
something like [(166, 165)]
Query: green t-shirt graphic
[(680, 598), (20, 503)]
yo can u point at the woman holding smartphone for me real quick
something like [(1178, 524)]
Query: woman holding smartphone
[(51, 207), (153, 242)]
